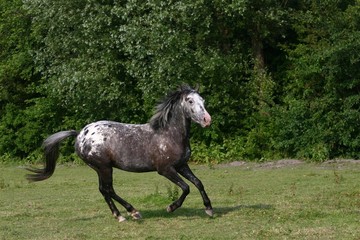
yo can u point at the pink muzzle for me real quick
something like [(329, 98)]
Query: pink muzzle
[(206, 120)]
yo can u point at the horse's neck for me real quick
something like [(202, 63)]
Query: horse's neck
[(180, 130), (179, 126)]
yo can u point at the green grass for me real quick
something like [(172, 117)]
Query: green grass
[(250, 202)]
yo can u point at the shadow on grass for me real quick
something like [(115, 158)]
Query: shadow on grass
[(183, 212), (225, 210), (196, 213)]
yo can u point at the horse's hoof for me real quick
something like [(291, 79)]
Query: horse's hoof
[(136, 215), (121, 218), (169, 210), (209, 212)]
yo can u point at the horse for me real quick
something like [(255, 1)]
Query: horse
[(162, 144)]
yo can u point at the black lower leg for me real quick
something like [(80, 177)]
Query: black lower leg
[(112, 206), (177, 203), (109, 195), (172, 175), (129, 208), (107, 190), (186, 172), (115, 212), (124, 203)]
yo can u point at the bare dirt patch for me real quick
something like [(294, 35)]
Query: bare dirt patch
[(281, 163), (342, 161), (339, 163), (290, 163)]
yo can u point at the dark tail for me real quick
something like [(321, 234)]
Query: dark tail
[(51, 154)]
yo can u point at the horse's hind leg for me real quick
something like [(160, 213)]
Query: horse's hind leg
[(107, 190), (186, 172)]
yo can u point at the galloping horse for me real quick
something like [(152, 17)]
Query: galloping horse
[(160, 145)]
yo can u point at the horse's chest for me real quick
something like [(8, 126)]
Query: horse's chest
[(169, 151)]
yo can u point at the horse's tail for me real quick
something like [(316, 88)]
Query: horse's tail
[(51, 154)]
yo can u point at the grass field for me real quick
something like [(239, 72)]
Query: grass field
[(305, 201)]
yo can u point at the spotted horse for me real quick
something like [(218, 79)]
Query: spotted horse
[(162, 145)]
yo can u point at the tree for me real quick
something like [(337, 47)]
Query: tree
[(281, 79), (319, 118), (17, 75), (82, 65)]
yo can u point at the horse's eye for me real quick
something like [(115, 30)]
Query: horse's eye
[(191, 101)]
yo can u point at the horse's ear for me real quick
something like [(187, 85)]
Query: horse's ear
[(197, 87)]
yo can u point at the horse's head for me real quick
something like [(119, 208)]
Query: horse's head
[(193, 105)]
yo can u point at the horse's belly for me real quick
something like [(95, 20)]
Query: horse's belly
[(133, 159), (134, 166)]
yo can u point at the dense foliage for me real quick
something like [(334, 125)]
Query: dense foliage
[(280, 78)]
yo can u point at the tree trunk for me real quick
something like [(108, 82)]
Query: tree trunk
[(258, 53), (263, 84)]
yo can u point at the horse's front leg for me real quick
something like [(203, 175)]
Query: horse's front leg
[(186, 172), (171, 174)]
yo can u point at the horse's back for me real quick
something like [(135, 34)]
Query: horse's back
[(124, 146)]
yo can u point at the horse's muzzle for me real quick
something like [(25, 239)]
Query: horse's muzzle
[(206, 120)]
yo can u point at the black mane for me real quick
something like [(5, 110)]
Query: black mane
[(163, 111)]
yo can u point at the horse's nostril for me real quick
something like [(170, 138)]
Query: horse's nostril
[(206, 119)]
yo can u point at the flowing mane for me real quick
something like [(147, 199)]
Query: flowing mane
[(163, 111)]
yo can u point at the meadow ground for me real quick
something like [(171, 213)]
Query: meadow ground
[(251, 201)]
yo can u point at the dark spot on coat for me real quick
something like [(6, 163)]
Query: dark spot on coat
[(87, 148), (86, 131), (105, 139), (93, 133)]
